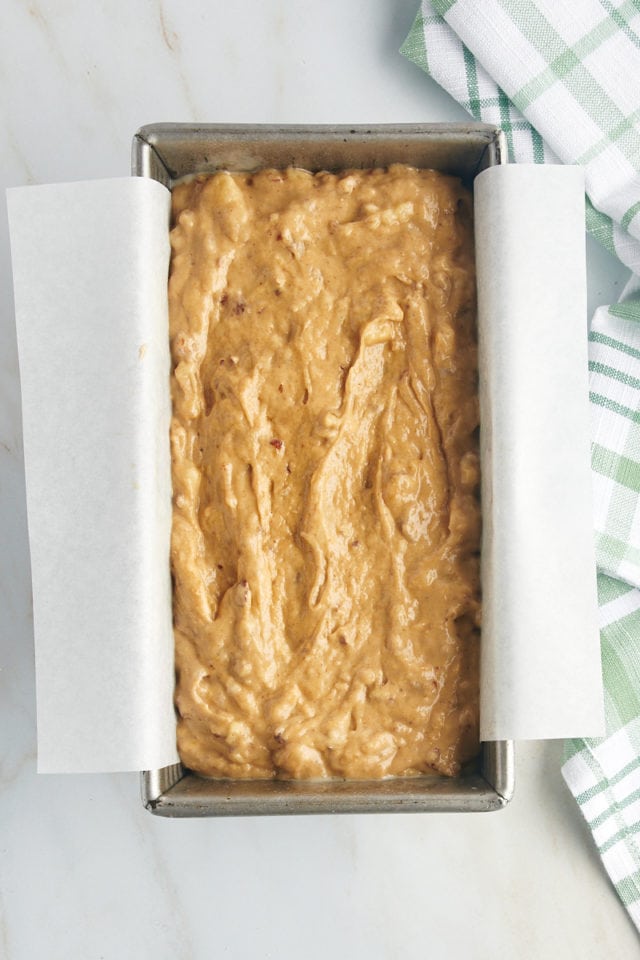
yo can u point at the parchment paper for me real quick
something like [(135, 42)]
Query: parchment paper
[(541, 670), (90, 270)]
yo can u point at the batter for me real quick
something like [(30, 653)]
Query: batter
[(326, 524)]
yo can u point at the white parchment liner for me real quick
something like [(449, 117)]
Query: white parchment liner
[(90, 269), (541, 673)]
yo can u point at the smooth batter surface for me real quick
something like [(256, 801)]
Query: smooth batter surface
[(325, 468)]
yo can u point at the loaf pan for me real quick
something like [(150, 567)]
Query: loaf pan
[(166, 152)]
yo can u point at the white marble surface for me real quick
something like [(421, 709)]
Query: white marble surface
[(85, 871)]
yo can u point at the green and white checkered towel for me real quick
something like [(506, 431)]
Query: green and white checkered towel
[(562, 79)]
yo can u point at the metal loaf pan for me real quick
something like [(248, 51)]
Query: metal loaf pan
[(168, 151)]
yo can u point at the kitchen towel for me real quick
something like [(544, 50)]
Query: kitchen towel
[(562, 79)]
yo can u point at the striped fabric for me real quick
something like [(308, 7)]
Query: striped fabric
[(562, 79), (604, 775), (451, 64), (614, 365)]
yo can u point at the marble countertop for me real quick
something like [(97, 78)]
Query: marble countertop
[(85, 872)]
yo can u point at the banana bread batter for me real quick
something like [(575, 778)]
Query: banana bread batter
[(326, 520)]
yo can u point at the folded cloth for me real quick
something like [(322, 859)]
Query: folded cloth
[(562, 79), (536, 68)]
